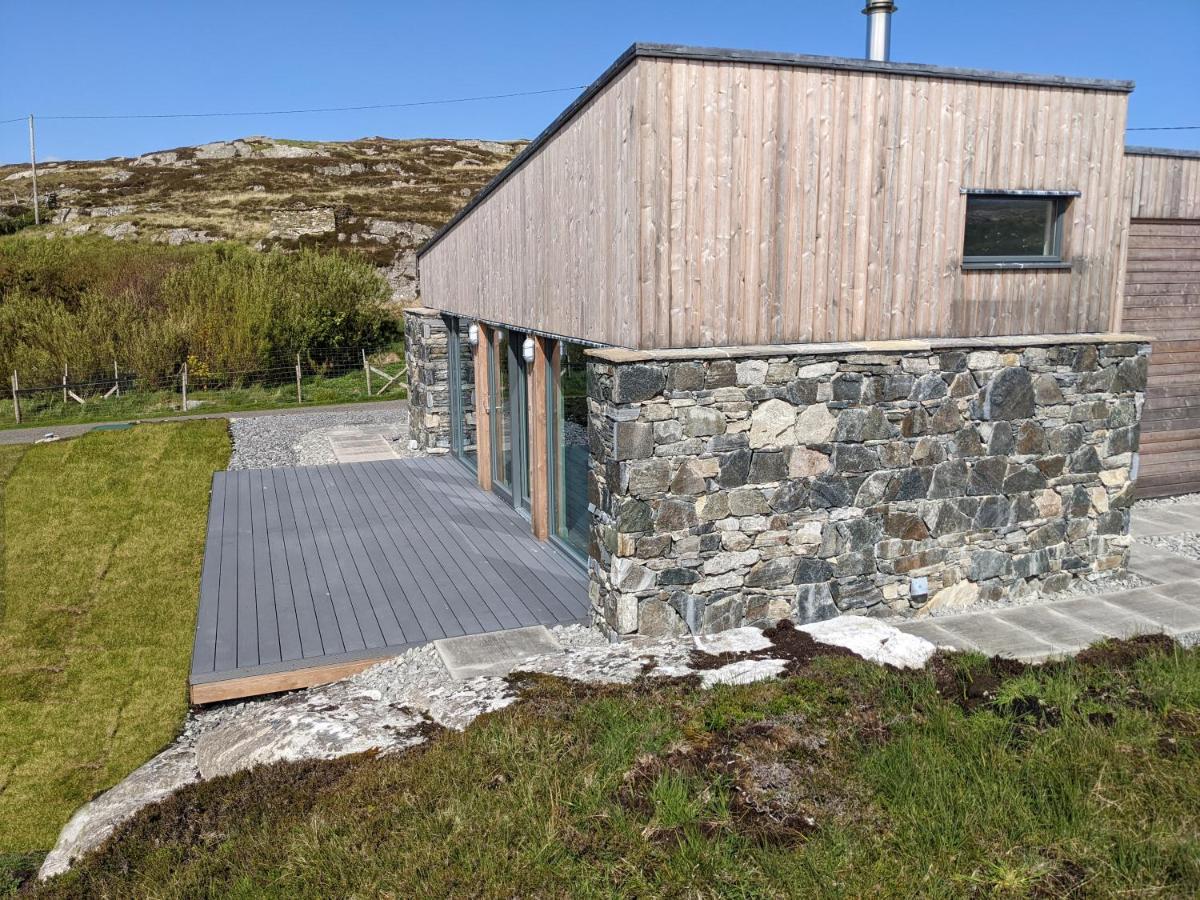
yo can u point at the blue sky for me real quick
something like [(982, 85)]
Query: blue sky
[(186, 56)]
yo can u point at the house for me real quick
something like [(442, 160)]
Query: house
[(753, 335)]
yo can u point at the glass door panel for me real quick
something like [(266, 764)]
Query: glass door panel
[(519, 418), (501, 414), (569, 452)]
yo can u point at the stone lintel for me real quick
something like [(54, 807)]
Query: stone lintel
[(621, 355)]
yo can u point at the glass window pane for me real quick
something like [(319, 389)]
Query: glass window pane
[(464, 391), (571, 517), (1010, 226), (502, 411)]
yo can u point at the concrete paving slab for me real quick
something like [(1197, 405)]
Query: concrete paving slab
[(1111, 621), (937, 635), (1175, 617), (1052, 626), (997, 638), (1176, 519), (1161, 566), (496, 653)]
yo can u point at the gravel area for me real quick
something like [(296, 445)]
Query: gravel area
[(1101, 584), (1152, 502), (298, 439), (1185, 544)]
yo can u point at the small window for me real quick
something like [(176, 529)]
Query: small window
[(1013, 229)]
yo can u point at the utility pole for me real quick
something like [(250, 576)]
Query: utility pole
[(37, 218)]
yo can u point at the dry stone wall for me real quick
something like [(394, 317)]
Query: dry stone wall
[(733, 489), (427, 359)]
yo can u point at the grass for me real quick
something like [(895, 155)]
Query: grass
[(970, 778), (317, 390), (104, 537)]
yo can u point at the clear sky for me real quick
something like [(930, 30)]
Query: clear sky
[(76, 57)]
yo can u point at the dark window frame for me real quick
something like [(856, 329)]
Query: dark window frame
[(1055, 260), (457, 411)]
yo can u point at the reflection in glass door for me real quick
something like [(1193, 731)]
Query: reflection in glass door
[(510, 418), (501, 414)]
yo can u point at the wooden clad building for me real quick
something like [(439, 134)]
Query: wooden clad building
[(696, 201), (697, 198), (1162, 299)]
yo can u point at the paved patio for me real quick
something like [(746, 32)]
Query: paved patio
[(1171, 605), (311, 574)]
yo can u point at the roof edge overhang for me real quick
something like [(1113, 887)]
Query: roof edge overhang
[(1162, 151), (763, 58)]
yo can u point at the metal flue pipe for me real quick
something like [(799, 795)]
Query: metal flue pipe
[(879, 29)]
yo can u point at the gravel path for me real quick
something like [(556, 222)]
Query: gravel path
[(299, 439), (1151, 503)]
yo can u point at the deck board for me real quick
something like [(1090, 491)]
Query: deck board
[(317, 570)]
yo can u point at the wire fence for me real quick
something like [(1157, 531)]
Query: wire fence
[(313, 376)]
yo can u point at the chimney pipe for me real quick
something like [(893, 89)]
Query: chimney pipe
[(879, 29)]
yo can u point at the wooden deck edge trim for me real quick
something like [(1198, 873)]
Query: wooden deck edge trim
[(276, 682), (922, 345)]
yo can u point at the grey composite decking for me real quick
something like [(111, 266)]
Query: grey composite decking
[(308, 567)]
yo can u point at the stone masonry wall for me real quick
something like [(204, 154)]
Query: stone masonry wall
[(427, 356), (798, 484)]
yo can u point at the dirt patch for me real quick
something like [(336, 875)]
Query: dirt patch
[(779, 774), (1123, 654), (797, 648)]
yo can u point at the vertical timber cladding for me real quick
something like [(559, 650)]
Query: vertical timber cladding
[(711, 198), (1162, 299)]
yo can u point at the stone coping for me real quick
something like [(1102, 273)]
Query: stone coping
[(921, 345), (423, 311)]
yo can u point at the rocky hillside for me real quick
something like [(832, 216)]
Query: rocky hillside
[(378, 197)]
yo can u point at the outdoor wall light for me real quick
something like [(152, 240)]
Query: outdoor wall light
[(527, 350), (473, 335)]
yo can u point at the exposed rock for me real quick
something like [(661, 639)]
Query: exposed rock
[(873, 640)]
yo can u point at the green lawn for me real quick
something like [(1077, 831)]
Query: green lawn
[(970, 778), (104, 537)]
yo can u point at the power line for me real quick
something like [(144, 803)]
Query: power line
[(294, 112), (1166, 128)]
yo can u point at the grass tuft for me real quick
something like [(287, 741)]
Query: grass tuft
[(843, 779)]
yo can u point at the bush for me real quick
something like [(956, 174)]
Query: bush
[(86, 302)]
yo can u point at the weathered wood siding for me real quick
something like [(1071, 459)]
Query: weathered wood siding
[(1162, 299), (553, 248), (710, 203), (1164, 187)]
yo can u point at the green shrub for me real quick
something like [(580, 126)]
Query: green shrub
[(86, 302)]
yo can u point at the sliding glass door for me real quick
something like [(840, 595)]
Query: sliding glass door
[(510, 417), (568, 449)]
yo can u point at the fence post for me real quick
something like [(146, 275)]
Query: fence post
[(116, 379), (367, 369), (64, 384), (16, 387), (183, 384), (299, 398)]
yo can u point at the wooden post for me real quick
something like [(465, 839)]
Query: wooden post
[(539, 440), (183, 385), (16, 387), (116, 379), (367, 370), (299, 398), (64, 384), (483, 409)]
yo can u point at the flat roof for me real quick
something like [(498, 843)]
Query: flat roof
[(1162, 151), (762, 58)]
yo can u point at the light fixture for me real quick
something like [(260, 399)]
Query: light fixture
[(527, 350), (473, 335)]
